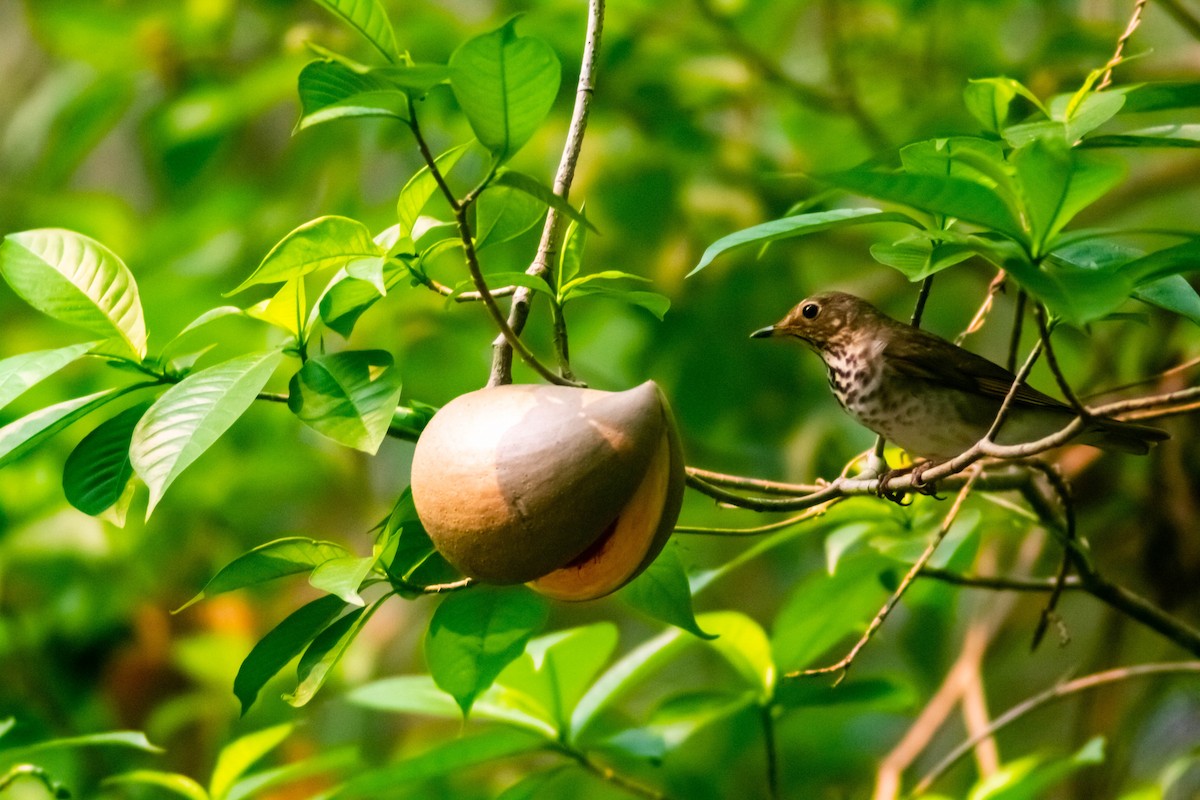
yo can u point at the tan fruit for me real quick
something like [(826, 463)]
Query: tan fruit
[(574, 491)]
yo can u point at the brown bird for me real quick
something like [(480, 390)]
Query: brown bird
[(931, 397)]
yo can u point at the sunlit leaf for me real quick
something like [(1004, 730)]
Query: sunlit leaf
[(744, 644), (343, 577), (20, 372), (76, 280), (421, 187), (369, 19), (325, 651), (172, 782), (662, 592), (348, 396), (540, 192), (413, 558), (190, 416), (330, 90), (288, 556), (503, 213), (321, 243), (22, 435), (241, 754)]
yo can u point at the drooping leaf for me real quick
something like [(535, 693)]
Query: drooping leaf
[(1172, 293), (369, 19), (989, 99), (288, 556), (22, 435), (503, 213), (1057, 182), (348, 396), (920, 258), (330, 90), (241, 754), (475, 634), (76, 280), (1174, 260), (134, 740), (283, 643), (97, 470), (321, 243), (662, 592), (190, 416), (505, 84), (20, 372), (411, 556), (421, 187), (540, 192), (343, 577), (798, 225), (325, 651), (657, 304)]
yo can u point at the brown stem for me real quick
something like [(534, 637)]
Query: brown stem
[(1134, 21), (1039, 313), (998, 583)]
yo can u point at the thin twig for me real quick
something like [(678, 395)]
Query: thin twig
[(1050, 695), (771, 527), (997, 583), (1155, 378), (1039, 313), (1062, 490), (842, 666), (985, 308), (1134, 21), (1014, 339), (607, 773), (465, 297), (757, 484), (552, 230)]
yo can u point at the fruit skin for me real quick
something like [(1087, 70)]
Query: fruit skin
[(514, 482)]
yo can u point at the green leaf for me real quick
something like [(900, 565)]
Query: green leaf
[(1032, 777), (540, 192), (414, 558), (920, 258), (348, 396), (607, 275), (98, 469), (1095, 110), (505, 84), (22, 435), (825, 609), (571, 255), (798, 225), (347, 298), (452, 756), (744, 644), (285, 309), (134, 740), (241, 754), (281, 644), (1183, 257), (1172, 293), (989, 99), (330, 90), (326, 651), (1057, 183), (655, 303), (878, 694), (21, 372), (421, 187), (190, 416), (326, 761), (953, 197), (503, 213), (563, 664), (76, 280), (317, 244), (1162, 96), (955, 156), (343, 577), (1186, 136), (473, 635), (172, 782), (661, 592), (369, 19), (267, 562)]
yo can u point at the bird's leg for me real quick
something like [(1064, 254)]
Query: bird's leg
[(896, 497), (918, 482)]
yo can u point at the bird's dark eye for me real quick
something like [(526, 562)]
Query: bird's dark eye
[(810, 310)]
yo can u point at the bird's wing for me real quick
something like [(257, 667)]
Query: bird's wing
[(919, 354)]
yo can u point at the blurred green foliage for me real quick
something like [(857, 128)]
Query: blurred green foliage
[(165, 131)]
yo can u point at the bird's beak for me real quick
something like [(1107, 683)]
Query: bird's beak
[(763, 333)]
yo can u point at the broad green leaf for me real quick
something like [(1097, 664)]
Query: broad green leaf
[(1018, 136), (949, 156), (348, 396), (281, 644), (473, 635), (267, 562), (953, 197), (1077, 295), (410, 420), (503, 213), (173, 782), (19, 373), (798, 225), (1057, 183), (421, 187), (325, 651), (413, 558), (330, 90), (989, 99), (918, 259), (418, 694), (566, 289), (76, 280), (564, 664), (1185, 136), (451, 756), (286, 309), (1162, 96), (744, 644), (241, 754), (98, 469), (1174, 260), (826, 609), (343, 577), (655, 303), (1172, 293), (317, 244), (346, 298), (1095, 110), (661, 592), (417, 79), (539, 191), (22, 435), (369, 19), (190, 416), (505, 84)]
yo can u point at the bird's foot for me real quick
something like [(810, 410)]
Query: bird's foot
[(902, 496), (918, 481)]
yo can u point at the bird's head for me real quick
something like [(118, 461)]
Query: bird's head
[(825, 319)]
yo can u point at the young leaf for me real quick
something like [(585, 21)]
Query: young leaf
[(505, 84), (744, 644), (20, 372), (22, 435), (418, 694), (474, 635), (267, 562), (655, 303), (96, 472), (369, 19), (173, 782), (537, 190), (326, 651), (348, 396), (798, 225), (192, 414), (241, 754), (76, 280), (343, 577), (988, 100), (330, 90), (318, 244), (285, 309), (346, 298), (413, 558), (662, 593), (503, 213), (564, 664), (571, 255), (283, 643), (421, 187)]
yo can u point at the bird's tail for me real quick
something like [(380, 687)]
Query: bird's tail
[(1124, 437)]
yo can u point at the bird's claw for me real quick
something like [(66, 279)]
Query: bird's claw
[(918, 486)]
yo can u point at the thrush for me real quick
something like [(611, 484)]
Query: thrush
[(927, 395)]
